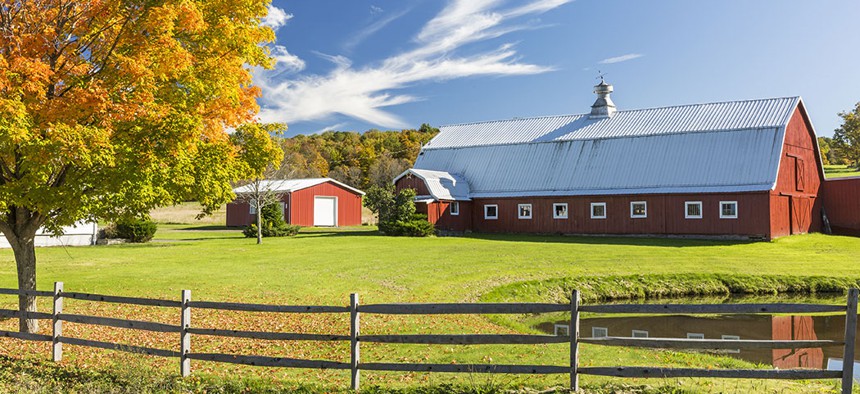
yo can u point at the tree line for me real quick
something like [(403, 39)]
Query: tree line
[(844, 147), (358, 159)]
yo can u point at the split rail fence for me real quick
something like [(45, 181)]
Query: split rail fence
[(355, 338)]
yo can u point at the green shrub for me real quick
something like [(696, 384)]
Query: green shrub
[(273, 224), (136, 230), (396, 210), (417, 226)]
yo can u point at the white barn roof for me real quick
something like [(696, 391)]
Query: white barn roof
[(442, 185), (291, 185), (717, 147)]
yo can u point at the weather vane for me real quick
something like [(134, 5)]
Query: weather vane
[(600, 75)]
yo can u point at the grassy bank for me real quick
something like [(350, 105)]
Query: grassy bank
[(627, 287), (322, 267)]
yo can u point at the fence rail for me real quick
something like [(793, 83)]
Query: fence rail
[(355, 338)]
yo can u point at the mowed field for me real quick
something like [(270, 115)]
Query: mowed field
[(840, 171), (322, 267)]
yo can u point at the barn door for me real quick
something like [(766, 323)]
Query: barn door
[(325, 211), (800, 214)]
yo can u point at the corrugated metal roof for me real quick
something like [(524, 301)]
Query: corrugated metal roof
[(720, 147), (441, 184), (734, 115), (290, 185)]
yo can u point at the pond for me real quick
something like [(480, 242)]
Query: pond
[(772, 327)]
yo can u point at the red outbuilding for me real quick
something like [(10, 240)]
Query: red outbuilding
[(738, 169), (322, 202)]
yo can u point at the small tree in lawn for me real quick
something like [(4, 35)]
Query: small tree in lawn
[(847, 136), (260, 155), (111, 108)]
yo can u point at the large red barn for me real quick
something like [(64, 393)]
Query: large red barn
[(321, 202), (747, 169)]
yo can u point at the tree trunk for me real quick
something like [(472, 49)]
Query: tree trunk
[(259, 224), (25, 258)]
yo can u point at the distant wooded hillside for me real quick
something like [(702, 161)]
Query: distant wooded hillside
[(357, 159)]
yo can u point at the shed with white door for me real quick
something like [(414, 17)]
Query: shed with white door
[(322, 202)]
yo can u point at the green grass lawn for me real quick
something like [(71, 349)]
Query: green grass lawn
[(323, 267), (840, 171)]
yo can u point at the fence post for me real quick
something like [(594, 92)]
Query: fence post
[(56, 345), (185, 339), (573, 331), (850, 334), (353, 339)]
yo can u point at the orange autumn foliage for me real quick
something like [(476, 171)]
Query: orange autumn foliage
[(109, 108)]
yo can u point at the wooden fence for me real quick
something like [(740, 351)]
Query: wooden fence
[(355, 365)]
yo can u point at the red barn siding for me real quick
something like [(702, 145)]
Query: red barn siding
[(238, 214), (413, 182), (794, 204), (842, 205), (666, 215), (348, 204), (439, 213)]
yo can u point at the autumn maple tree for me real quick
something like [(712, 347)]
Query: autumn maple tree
[(109, 108)]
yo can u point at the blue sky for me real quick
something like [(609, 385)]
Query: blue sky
[(391, 64)]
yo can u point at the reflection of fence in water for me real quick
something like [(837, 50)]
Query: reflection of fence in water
[(639, 338)]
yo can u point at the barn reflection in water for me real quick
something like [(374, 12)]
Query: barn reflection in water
[(730, 327)]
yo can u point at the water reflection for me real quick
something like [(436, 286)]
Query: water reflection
[(764, 327)]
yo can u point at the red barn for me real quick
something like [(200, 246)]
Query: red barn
[(305, 202), (745, 169)]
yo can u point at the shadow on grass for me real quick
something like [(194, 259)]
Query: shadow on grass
[(608, 240), (545, 238)]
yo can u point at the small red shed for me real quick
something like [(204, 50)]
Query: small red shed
[(320, 202)]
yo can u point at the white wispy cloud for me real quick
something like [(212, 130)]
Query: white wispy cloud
[(375, 9), (285, 61), (365, 92), (371, 29), (334, 127), (276, 18), (622, 58)]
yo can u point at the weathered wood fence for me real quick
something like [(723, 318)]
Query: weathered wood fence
[(355, 338)]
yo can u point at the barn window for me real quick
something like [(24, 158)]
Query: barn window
[(559, 210), (455, 208), (728, 209), (638, 209), (731, 338), (253, 208), (695, 335), (598, 210), (524, 211), (561, 330), (599, 332), (639, 334), (693, 209), (491, 211)]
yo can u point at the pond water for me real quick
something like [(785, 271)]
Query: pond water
[(782, 327)]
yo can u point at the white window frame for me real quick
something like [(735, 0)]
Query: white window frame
[(487, 207), (454, 209), (687, 205), (731, 338), (559, 204), (735, 216), (562, 330), (695, 335), (520, 209), (598, 204), (252, 210), (599, 332), (645, 215), (639, 334)]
